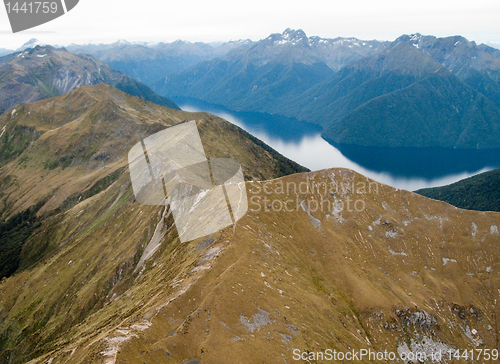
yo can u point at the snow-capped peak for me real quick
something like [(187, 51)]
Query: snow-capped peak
[(416, 37), (122, 42), (337, 42), (240, 41), (289, 36), (32, 43)]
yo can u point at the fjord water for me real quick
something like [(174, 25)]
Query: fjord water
[(405, 168)]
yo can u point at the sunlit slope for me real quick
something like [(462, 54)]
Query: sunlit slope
[(65, 190), (88, 133), (370, 266), (404, 271), (326, 259)]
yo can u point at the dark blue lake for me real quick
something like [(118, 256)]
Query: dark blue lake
[(406, 168)]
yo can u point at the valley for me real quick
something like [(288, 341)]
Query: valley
[(405, 168), (418, 91), (367, 96), (332, 251)]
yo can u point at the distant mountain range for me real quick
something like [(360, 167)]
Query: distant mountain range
[(406, 96), (268, 74), (418, 91), (44, 71), (32, 43), (4, 52), (148, 63), (480, 192), (325, 259), (494, 45)]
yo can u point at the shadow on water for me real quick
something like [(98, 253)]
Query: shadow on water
[(427, 163), (275, 126), (406, 168)]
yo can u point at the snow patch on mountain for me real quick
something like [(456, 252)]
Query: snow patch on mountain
[(32, 43)]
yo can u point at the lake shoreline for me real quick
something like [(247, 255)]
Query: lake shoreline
[(409, 168)]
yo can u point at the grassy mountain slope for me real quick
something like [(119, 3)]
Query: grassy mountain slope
[(74, 141), (42, 72), (68, 191), (326, 259), (480, 192), (402, 272), (384, 278)]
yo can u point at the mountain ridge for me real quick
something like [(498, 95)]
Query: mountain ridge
[(399, 281), (322, 260), (266, 74), (148, 63), (41, 72), (365, 93), (479, 192)]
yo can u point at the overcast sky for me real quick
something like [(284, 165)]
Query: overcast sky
[(105, 21)]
